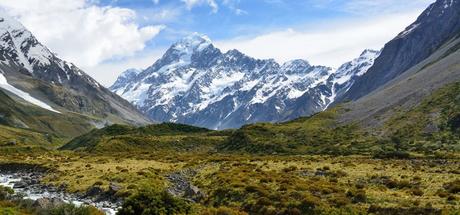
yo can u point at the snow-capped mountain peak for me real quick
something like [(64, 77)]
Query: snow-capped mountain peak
[(130, 73), (346, 75), (31, 71), (298, 65), (20, 42), (192, 42), (195, 83), (189, 45), (19, 46)]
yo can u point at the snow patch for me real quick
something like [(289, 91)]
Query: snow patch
[(409, 30), (4, 84)]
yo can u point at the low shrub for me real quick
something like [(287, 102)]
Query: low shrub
[(392, 155), (453, 187), (148, 201), (223, 211), (71, 209), (5, 193)]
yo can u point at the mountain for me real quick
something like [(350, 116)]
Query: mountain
[(36, 79), (195, 83), (417, 111), (437, 25)]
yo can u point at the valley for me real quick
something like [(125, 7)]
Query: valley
[(266, 184), (210, 132)]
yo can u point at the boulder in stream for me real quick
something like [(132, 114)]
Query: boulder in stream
[(44, 203)]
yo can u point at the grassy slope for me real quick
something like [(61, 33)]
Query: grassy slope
[(316, 134), (19, 114), (433, 124), (168, 136)]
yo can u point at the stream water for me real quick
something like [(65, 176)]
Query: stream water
[(35, 192)]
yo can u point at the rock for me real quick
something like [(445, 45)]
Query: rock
[(194, 193), (63, 187), (114, 187), (431, 128), (20, 184), (94, 191), (44, 203), (320, 173)]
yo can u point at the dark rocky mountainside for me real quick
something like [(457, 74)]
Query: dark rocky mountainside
[(436, 26)]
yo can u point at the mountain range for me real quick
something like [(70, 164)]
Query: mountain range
[(196, 83)]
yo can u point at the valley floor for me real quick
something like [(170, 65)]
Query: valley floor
[(240, 184)]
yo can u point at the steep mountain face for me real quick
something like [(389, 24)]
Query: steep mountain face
[(416, 111), (437, 25), (408, 90), (195, 83), (30, 72)]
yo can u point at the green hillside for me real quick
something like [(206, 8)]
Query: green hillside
[(166, 136), (20, 114), (431, 126)]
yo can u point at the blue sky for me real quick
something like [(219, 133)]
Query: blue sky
[(105, 37), (229, 19)]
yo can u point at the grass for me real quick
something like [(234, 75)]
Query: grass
[(266, 184), (318, 134), (16, 137), (431, 126), (312, 165), (165, 136), (23, 115)]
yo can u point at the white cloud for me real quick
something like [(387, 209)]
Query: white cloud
[(163, 15), (233, 5), (382, 6), (82, 32), (329, 45), (193, 3), (106, 73)]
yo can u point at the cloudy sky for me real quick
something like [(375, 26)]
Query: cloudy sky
[(106, 37)]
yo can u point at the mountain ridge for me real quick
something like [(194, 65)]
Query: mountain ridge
[(441, 20), (197, 84), (32, 72)]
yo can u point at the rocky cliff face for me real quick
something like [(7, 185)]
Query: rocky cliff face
[(195, 83), (434, 27)]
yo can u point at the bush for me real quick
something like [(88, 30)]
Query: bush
[(339, 201), (453, 187), (223, 211), (70, 209), (357, 196), (148, 201), (393, 155), (396, 184), (5, 193), (417, 192)]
